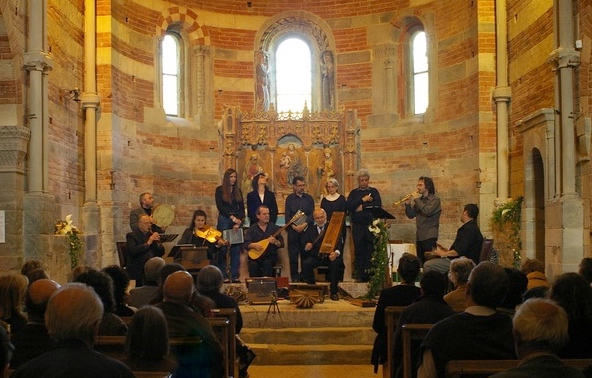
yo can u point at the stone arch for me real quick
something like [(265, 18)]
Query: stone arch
[(318, 35), (197, 32)]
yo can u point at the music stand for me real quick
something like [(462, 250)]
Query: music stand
[(165, 238), (190, 256), (379, 213)]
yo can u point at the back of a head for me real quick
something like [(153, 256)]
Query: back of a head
[(461, 268), (152, 270), (178, 287), (147, 336), (586, 269), (433, 283), (78, 270), (209, 279), (120, 281), (102, 285), (532, 265), (30, 265), (169, 269), (518, 284), (13, 288), (409, 266), (488, 284), (37, 297), (572, 292), (37, 274), (72, 312), (540, 325)]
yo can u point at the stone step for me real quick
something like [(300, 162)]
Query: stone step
[(309, 336), (326, 354)]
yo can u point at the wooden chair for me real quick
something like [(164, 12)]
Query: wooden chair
[(152, 374), (412, 332), (456, 369), (122, 253), (391, 317), (230, 314), (486, 248)]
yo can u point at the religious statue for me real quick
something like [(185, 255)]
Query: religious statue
[(252, 167), (297, 167), (327, 169), (262, 82), (328, 81)]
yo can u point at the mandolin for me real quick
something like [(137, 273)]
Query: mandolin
[(255, 254)]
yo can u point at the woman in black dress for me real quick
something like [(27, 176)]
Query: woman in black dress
[(261, 195)]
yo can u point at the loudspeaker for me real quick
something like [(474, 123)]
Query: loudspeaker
[(261, 290)]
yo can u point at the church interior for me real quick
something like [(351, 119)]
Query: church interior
[(84, 128)]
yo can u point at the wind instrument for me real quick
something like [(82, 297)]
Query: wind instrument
[(404, 199)]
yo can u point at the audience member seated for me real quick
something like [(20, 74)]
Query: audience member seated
[(199, 303), (30, 265), (479, 332), (459, 276), (142, 244), (586, 269), (209, 283), (78, 270), (400, 295), (147, 342), (540, 331), (141, 296), (182, 321), (72, 315), (36, 274), (535, 272), (111, 324), (120, 284), (6, 349), (33, 340), (518, 282), (572, 292), (535, 292), (12, 297), (430, 308)]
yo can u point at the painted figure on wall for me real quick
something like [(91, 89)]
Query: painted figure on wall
[(327, 169), (261, 81), (252, 168), (282, 175), (297, 167), (328, 81)]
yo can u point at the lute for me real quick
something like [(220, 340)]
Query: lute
[(255, 254)]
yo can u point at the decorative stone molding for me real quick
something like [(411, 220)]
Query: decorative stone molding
[(13, 148)]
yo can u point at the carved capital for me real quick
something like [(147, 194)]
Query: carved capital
[(37, 61), (564, 58), (13, 148)]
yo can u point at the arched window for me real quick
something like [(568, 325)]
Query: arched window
[(419, 74), (171, 74), (293, 76)]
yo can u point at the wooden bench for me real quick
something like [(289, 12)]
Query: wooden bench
[(114, 346), (458, 368), (230, 314), (223, 332), (391, 317), (412, 332)]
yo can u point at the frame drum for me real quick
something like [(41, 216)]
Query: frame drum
[(163, 215)]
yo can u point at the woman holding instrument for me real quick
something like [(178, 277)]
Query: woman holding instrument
[(201, 234), (333, 201), (231, 208)]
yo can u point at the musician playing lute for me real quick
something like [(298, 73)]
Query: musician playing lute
[(263, 229)]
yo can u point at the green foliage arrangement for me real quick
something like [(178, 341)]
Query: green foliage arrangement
[(380, 262), (506, 222)]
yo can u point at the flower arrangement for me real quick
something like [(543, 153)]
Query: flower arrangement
[(379, 260), (65, 227)]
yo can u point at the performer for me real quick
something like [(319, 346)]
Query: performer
[(261, 195), (312, 239), (425, 207), (467, 242), (294, 202), (334, 201), (231, 208), (142, 244), (197, 227), (263, 229), (357, 204), (146, 205)]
